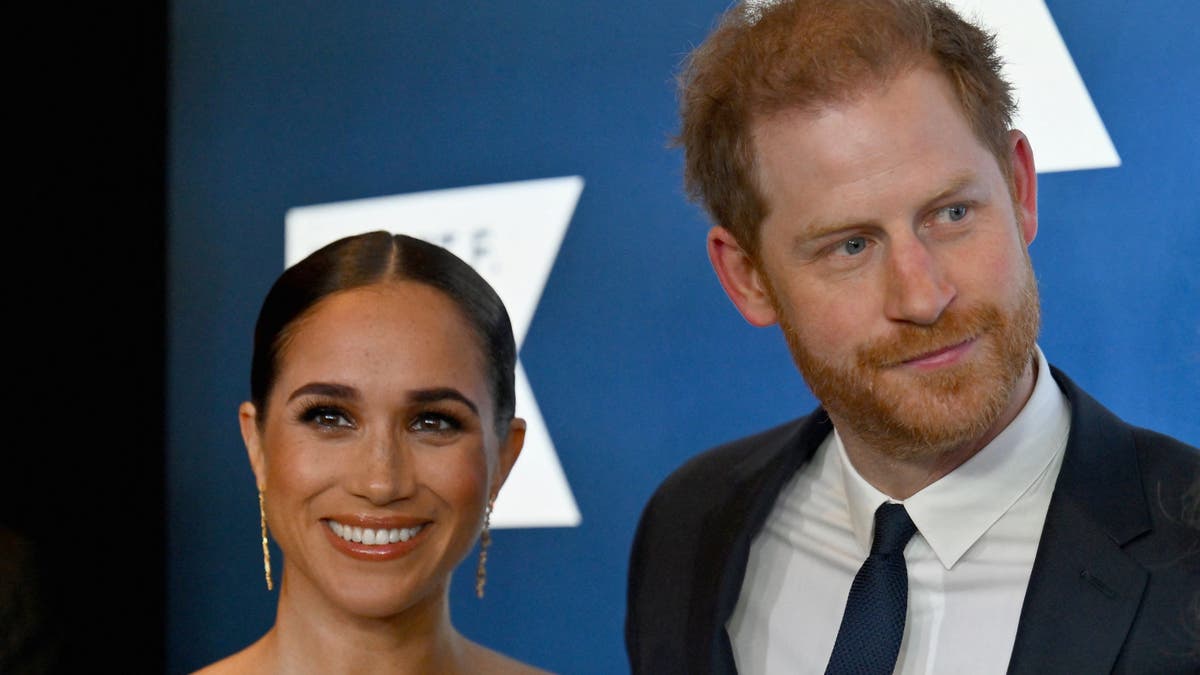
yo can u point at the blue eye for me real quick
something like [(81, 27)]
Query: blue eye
[(854, 245), (956, 213)]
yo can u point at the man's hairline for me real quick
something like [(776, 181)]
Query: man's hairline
[(753, 247)]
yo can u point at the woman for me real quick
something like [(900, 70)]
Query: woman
[(380, 428)]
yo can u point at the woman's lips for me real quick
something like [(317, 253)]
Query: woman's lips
[(372, 536), (375, 541)]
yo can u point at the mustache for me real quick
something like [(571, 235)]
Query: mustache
[(909, 342)]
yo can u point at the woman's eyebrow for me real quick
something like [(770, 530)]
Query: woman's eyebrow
[(328, 389), (440, 394)]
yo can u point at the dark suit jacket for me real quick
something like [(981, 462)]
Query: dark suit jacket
[(1115, 584)]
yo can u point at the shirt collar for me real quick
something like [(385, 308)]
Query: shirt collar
[(954, 512)]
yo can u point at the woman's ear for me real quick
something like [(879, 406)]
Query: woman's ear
[(510, 449), (248, 419)]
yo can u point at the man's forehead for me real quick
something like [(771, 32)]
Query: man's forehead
[(872, 85)]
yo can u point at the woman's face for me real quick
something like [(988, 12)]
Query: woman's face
[(378, 453)]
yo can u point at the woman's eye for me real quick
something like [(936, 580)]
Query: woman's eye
[(435, 422), (328, 417)]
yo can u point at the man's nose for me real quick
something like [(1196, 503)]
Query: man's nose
[(918, 289)]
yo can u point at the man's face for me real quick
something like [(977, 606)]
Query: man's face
[(894, 258)]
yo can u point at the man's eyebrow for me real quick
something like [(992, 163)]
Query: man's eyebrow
[(819, 230), (822, 229), (328, 389), (955, 185), (441, 394)]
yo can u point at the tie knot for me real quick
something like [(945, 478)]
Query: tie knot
[(893, 529)]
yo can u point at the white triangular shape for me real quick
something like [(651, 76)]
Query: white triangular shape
[(1054, 108), (510, 233)]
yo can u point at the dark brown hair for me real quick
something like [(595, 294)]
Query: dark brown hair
[(375, 257)]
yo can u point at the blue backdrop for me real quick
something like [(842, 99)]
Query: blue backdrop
[(637, 358)]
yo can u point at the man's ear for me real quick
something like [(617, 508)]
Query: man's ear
[(248, 419), (1024, 177), (509, 450), (741, 278)]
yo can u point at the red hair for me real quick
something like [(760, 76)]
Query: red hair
[(764, 57)]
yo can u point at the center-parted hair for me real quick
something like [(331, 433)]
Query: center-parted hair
[(774, 55), (377, 257)]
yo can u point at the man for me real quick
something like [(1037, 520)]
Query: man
[(870, 197)]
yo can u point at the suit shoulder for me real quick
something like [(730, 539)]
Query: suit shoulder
[(709, 480), (710, 469), (1170, 472), (1167, 450)]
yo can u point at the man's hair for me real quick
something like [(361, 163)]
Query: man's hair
[(769, 56)]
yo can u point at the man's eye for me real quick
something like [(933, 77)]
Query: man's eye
[(854, 245), (956, 213)]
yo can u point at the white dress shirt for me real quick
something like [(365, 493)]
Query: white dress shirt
[(968, 565)]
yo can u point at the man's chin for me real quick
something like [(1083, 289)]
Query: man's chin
[(920, 415), (925, 411), (930, 432)]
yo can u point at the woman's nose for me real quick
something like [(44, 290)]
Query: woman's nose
[(386, 473)]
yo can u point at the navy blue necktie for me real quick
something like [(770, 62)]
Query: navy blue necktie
[(873, 624)]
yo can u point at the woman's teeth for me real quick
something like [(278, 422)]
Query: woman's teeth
[(371, 537)]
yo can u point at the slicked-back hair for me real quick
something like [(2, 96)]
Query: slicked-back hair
[(770, 56), (377, 257)]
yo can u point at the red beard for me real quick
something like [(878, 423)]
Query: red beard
[(906, 413)]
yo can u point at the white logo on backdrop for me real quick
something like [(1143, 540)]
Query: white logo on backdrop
[(510, 233), (1054, 108)]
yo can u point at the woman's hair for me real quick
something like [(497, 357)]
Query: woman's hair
[(379, 257), (767, 56)]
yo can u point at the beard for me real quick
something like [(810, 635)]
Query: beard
[(906, 413)]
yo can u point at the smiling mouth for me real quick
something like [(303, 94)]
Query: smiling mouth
[(938, 356), (371, 536)]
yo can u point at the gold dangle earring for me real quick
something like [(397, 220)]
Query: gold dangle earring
[(485, 540), (262, 519)]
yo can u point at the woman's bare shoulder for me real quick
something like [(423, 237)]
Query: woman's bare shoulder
[(249, 660), (494, 663)]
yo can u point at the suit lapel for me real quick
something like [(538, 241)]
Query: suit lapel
[(754, 484), (1081, 600), (1084, 590)]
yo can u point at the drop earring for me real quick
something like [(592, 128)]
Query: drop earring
[(262, 519), (485, 540)]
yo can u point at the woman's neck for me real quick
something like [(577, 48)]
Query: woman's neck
[(311, 635)]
